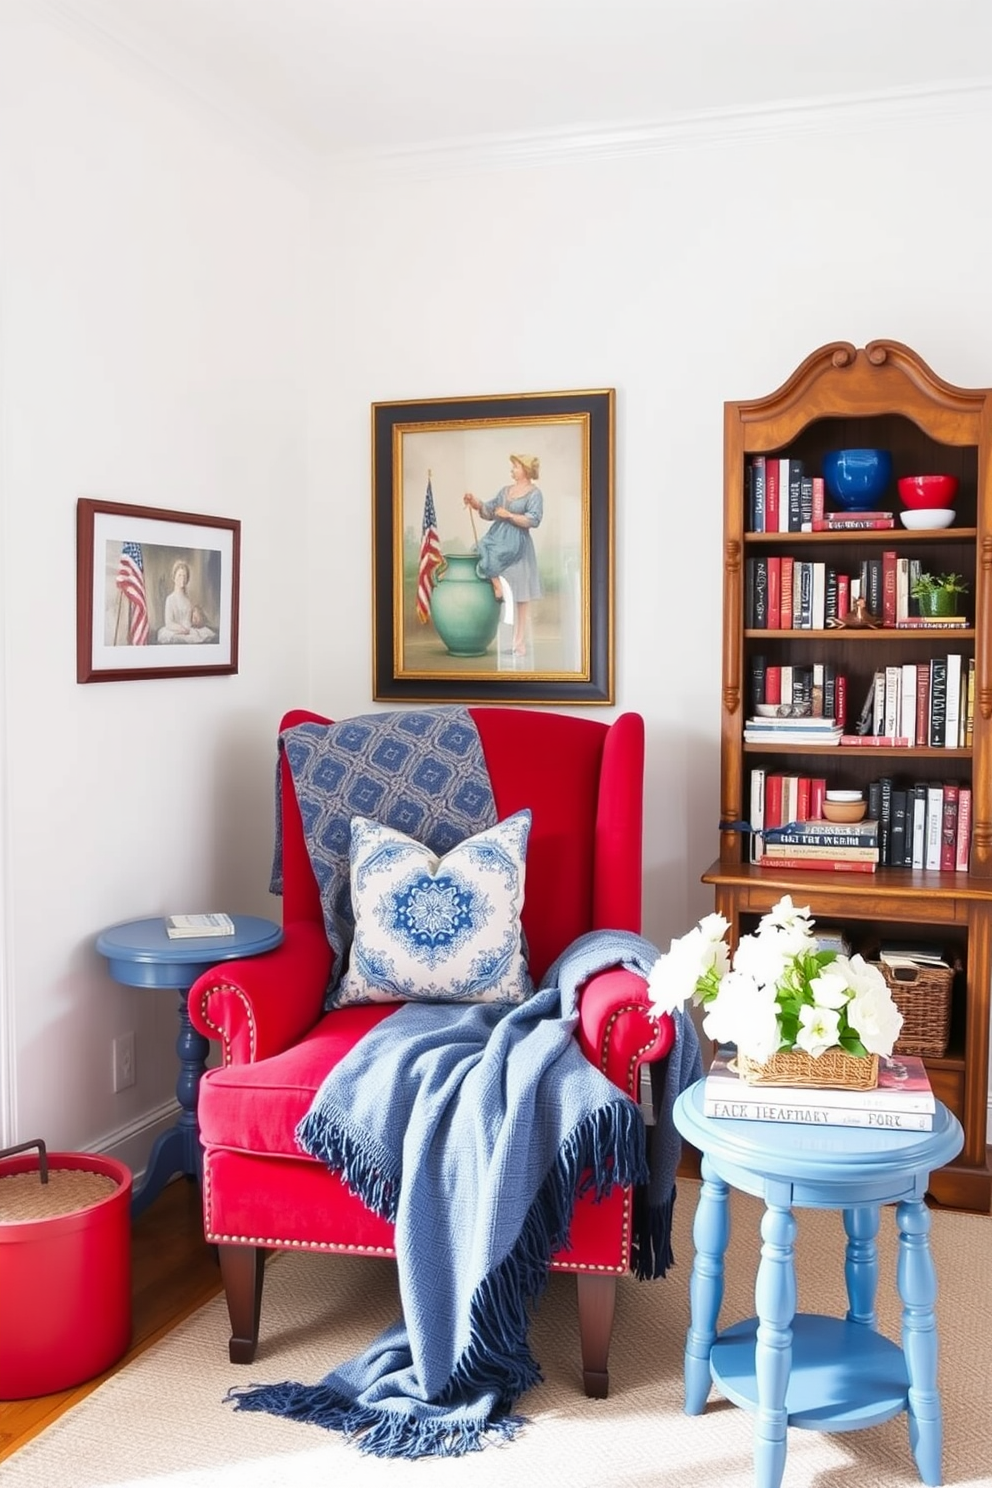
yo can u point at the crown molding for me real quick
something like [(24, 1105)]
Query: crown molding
[(706, 128), (281, 150), (291, 156)]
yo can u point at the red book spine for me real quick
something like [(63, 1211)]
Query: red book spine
[(962, 851), (786, 588), (820, 865), (817, 792), (773, 683), (771, 495), (773, 801), (840, 699), (843, 594), (774, 615), (863, 520), (802, 798), (889, 559), (949, 829), (875, 741), (818, 500)]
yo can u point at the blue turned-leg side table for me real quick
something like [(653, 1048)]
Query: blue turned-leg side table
[(823, 1373), (140, 954)]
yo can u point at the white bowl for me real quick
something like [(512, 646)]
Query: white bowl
[(843, 795), (927, 516)]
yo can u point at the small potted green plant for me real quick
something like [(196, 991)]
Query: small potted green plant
[(938, 593)]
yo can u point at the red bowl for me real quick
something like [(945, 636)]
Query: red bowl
[(927, 491)]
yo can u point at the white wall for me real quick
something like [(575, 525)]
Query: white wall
[(702, 272), (168, 340), (153, 313)]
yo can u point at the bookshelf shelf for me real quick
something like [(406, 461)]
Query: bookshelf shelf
[(883, 396), (864, 637)]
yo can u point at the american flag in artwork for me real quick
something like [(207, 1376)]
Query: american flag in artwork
[(430, 557), (131, 583)]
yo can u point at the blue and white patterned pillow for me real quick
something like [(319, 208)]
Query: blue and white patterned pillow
[(431, 929)]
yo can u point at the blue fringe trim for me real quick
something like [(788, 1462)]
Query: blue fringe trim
[(606, 1148), (651, 1241), (363, 1164)]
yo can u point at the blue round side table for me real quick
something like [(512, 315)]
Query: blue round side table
[(826, 1374), (140, 954)]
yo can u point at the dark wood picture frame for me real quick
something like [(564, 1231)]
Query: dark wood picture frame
[(556, 646), (136, 616)]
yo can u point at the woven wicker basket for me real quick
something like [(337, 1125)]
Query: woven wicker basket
[(834, 1070), (923, 996)]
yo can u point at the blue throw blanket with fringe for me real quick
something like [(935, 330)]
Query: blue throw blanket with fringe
[(472, 1129)]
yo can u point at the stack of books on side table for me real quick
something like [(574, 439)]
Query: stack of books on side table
[(901, 1101)]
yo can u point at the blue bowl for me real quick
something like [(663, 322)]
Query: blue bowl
[(857, 478)]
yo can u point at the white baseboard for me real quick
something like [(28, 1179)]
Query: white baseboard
[(132, 1144)]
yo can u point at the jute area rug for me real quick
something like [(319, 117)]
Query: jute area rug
[(163, 1420)]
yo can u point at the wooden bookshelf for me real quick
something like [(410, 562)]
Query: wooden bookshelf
[(880, 396)]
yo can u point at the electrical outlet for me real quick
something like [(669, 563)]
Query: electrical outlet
[(124, 1072)]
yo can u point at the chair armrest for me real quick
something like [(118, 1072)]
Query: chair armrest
[(617, 1030), (260, 1006)]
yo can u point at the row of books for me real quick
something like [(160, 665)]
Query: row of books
[(818, 690), (924, 703), (781, 497), (782, 592), (903, 1099), (922, 824)]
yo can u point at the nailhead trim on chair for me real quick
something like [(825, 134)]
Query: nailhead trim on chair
[(271, 1242), (222, 1039)]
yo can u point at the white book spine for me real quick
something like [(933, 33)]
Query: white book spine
[(878, 704), (819, 1115), (757, 813), (952, 725), (907, 721), (935, 824), (893, 701), (920, 829), (819, 595)]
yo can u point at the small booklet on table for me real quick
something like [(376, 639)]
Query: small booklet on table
[(179, 927)]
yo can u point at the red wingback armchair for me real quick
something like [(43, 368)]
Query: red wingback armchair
[(582, 780)]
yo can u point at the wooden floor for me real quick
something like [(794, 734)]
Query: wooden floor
[(173, 1273)]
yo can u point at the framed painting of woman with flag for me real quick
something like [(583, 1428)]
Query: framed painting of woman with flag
[(156, 593), (492, 548)]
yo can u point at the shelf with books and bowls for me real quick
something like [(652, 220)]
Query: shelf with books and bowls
[(926, 492), (882, 397), (927, 519), (857, 479)]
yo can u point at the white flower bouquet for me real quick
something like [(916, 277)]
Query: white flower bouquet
[(781, 992)]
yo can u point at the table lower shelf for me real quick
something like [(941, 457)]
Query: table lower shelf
[(844, 1375)]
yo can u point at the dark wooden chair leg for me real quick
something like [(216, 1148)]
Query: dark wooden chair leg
[(597, 1304), (242, 1268)]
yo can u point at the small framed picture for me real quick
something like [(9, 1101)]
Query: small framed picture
[(156, 593), (492, 542)]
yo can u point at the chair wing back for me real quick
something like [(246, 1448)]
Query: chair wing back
[(583, 783)]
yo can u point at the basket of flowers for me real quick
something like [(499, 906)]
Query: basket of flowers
[(798, 1013)]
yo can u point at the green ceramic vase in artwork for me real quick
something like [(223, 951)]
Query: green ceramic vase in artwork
[(464, 608)]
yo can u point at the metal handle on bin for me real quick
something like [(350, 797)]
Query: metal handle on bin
[(26, 1147)]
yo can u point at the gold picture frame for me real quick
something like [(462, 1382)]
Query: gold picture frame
[(474, 498)]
